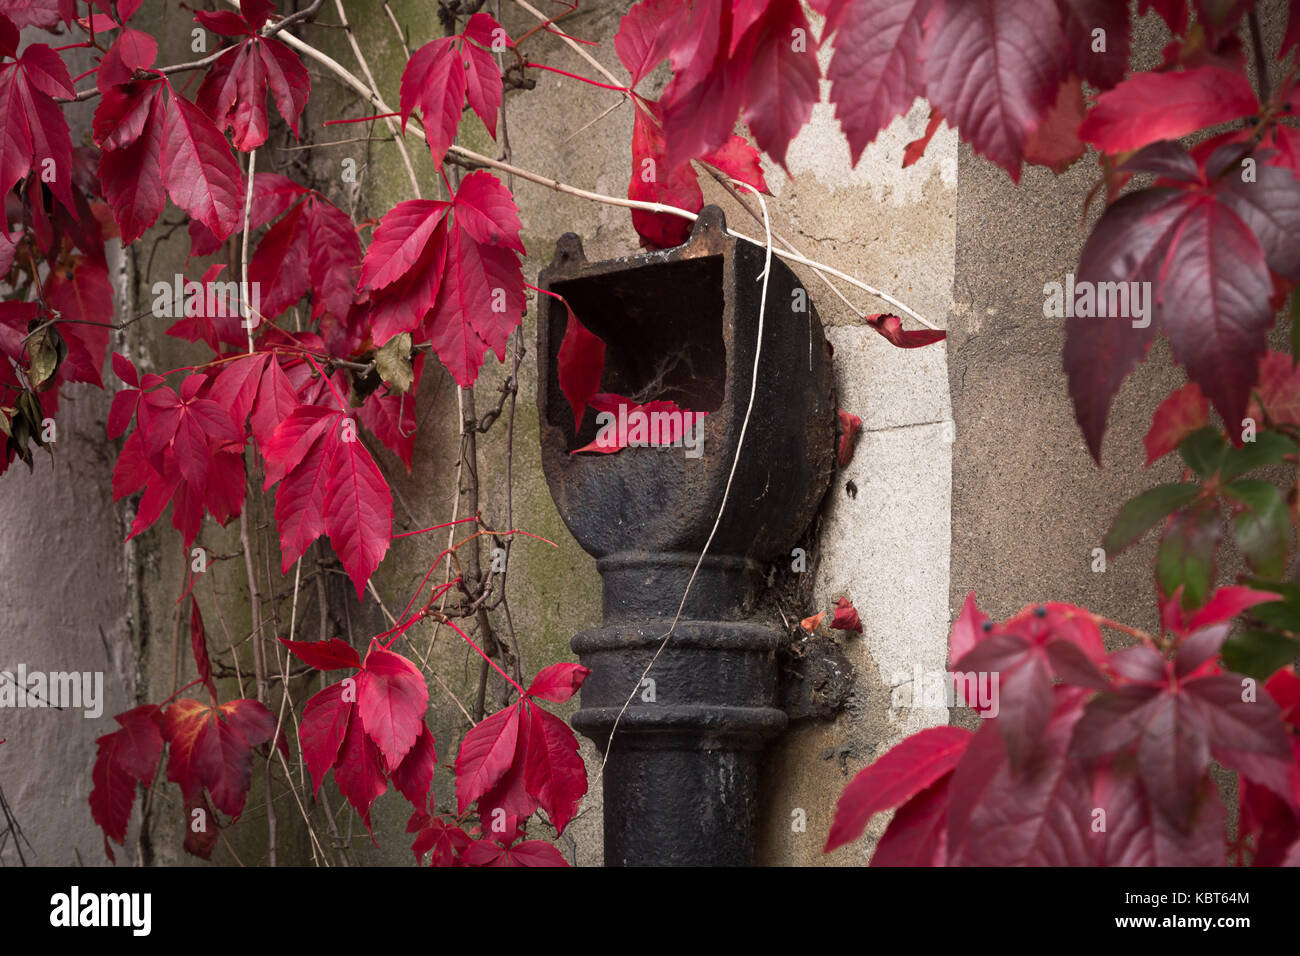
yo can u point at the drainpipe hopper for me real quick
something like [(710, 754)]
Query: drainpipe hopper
[(681, 783)]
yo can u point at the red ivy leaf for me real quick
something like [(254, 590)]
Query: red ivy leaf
[(81, 290), (904, 771), (225, 22), (212, 748), (198, 170), (1039, 816), (33, 131), (333, 654), (452, 269), (300, 499), (967, 630), (1102, 68), (128, 125), (1148, 107), (358, 510), (360, 770), (849, 427), (391, 700), (554, 772), (132, 50), (148, 147), (846, 617), (891, 327), (993, 67), (234, 92), (1210, 293), (654, 180), (221, 324), (122, 758), (414, 775), (324, 724), (646, 35), (581, 362), (199, 644), (1278, 390), (329, 484), (437, 838), (443, 74), (876, 70), (558, 682), (38, 13), (612, 438), (1138, 834), (528, 853), (392, 420), (917, 835), (1055, 142), (759, 59), (485, 755), (1178, 416)]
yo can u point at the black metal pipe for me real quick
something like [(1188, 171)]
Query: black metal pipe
[(681, 782)]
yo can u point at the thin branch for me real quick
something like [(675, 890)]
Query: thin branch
[(401, 35), (365, 68), (243, 251), (306, 13), (574, 44)]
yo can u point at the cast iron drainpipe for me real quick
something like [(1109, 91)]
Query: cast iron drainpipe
[(681, 783)]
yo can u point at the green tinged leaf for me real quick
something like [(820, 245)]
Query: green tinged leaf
[(1263, 526), (1268, 448), (1203, 450), (1259, 654), (1283, 615), (30, 412), (47, 350), (1187, 553), (1144, 512), (393, 362)]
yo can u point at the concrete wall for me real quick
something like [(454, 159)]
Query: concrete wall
[(970, 472)]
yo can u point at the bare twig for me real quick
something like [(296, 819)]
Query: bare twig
[(243, 250), (388, 121)]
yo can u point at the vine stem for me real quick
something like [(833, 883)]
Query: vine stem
[(373, 97), (469, 640), (243, 250), (365, 68), (582, 79)]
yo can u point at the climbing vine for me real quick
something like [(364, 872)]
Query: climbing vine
[(1089, 756), (317, 327)]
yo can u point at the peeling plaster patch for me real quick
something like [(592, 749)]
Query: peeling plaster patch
[(821, 151)]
